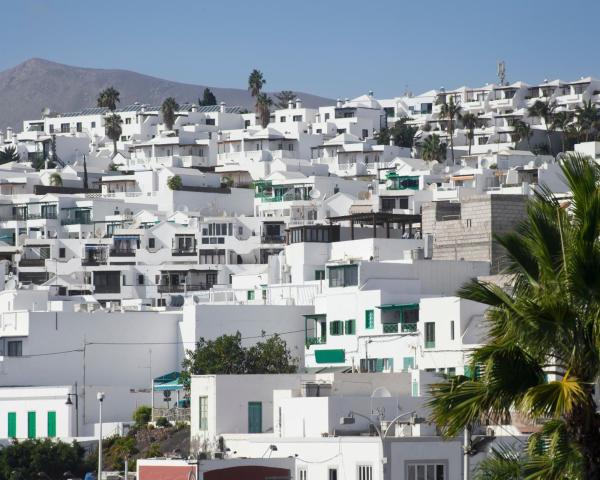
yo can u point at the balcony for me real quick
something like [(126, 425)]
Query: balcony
[(93, 260), (273, 239), (184, 252), (76, 221), (32, 262), (122, 252), (399, 327), (315, 341), (181, 288)]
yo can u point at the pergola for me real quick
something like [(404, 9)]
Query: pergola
[(379, 218)]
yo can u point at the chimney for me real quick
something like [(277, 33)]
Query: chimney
[(9, 134), (290, 104), (338, 103), (143, 108), (1, 137), (194, 107), (370, 93), (298, 103), (222, 106)]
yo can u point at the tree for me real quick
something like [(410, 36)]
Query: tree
[(401, 133), (9, 154), (521, 131), (112, 127), (264, 104), (562, 121), (56, 180), (208, 98), (546, 324), (29, 458), (284, 98), (451, 112), (256, 81), (168, 109), (470, 122), (142, 415), (174, 182), (226, 355), (587, 117), (545, 111), (122, 449), (108, 98), (433, 149)]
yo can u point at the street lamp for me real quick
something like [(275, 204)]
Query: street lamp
[(70, 402), (100, 397)]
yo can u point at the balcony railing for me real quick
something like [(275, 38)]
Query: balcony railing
[(315, 341), (32, 262), (76, 221), (41, 216), (184, 252), (399, 327), (122, 252), (183, 288), (93, 260), (273, 238), (390, 328)]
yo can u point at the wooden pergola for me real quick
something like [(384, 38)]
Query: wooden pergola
[(379, 219)]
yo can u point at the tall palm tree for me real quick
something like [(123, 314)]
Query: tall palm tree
[(522, 131), (433, 149), (256, 81), (545, 111), (561, 121), (168, 109), (112, 127), (264, 104), (470, 122), (587, 116), (451, 112), (108, 98), (541, 358)]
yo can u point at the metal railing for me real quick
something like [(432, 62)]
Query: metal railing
[(181, 288), (32, 262), (181, 252), (122, 252), (173, 414)]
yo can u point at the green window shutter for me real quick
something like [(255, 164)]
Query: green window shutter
[(336, 327), (31, 425), (379, 365), (350, 327), (12, 424), (429, 335), (468, 371), (51, 424), (250, 294), (254, 417), (415, 388), (369, 319), (408, 363)]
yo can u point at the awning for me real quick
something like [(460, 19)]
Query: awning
[(170, 381), (463, 177), (398, 306), (126, 237)]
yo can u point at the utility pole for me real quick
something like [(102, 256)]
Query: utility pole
[(466, 451), (100, 397)]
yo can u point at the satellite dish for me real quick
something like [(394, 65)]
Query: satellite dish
[(45, 112), (389, 184), (314, 194)]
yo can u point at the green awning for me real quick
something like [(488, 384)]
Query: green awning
[(170, 381), (313, 315), (398, 306), (330, 356)]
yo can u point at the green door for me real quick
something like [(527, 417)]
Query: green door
[(12, 424), (30, 424), (254, 417), (51, 424)]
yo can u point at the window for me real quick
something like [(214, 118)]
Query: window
[(62, 252), (429, 335), (388, 204), (31, 433), (408, 363), (282, 119), (203, 412), (336, 327), (93, 124), (151, 243), (128, 121), (319, 274), (250, 295), (451, 371), (369, 319), (254, 417), (79, 127), (451, 329), (365, 133), (343, 276), (297, 118), (140, 279), (350, 327), (12, 425), (51, 128), (426, 471), (365, 472), (333, 474), (64, 128), (376, 365), (302, 474), (51, 424), (415, 388), (15, 348)]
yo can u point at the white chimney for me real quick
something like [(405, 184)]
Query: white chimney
[(222, 107), (298, 103), (1, 137), (290, 104), (9, 134), (338, 103), (194, 107), (143, 108)]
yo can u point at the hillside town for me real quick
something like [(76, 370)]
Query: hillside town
[(291, 287)]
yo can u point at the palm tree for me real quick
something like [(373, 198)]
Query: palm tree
[(56, 180), (9, 154), (587, 117), (470, 122), (256, 81), (168, 109), (562, 121), (433, 149), (451, 112), (544, 110), (541, 357), (112, 127), (283, 98), (522, 131), (264, 104), (108, 98)]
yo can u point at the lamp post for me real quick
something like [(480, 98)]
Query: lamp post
[(100, 397), (70, 402)]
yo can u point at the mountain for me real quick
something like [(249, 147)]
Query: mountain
[(36, 83)]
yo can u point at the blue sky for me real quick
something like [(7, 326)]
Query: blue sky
[(329, 47)]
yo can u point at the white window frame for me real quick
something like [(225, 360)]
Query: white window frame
[(364, 471)]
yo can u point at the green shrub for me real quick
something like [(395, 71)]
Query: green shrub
[(162, 422), (142, 415)]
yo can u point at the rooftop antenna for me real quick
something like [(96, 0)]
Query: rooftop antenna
[(502, 72)]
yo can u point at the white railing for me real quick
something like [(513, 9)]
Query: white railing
[(14, 324), (283, 294)]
